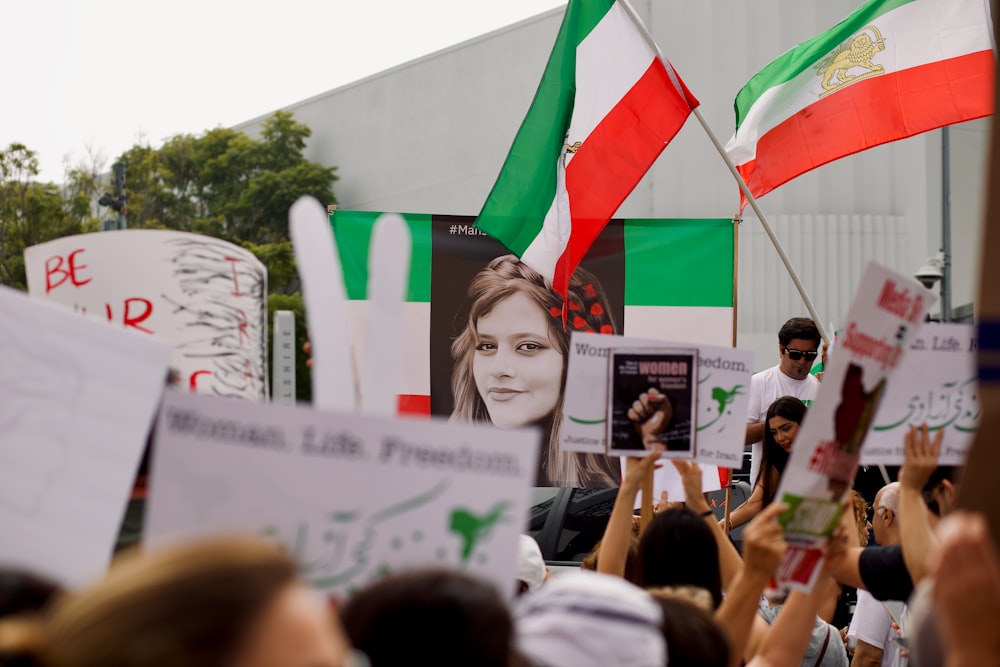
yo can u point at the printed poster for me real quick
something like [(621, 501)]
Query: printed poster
[(206, 296), (486, 341), (935, 384), (353, 498), (884, 317), (652, 396)]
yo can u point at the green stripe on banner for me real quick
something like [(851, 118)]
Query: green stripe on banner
[(679, 262), (353, 230)]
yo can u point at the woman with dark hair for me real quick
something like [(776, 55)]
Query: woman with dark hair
[(782, 426), (433, 617), (678, 548), (510, 360)]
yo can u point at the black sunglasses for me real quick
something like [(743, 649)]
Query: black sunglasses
[(796, 355)]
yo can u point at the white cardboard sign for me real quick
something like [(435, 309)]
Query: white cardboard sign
[(936, 384), (884, 316), (723, 394), (77, 398), (206, 296), (352, 497)]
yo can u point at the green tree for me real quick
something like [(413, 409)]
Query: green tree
[(225, 183), (32, 212)]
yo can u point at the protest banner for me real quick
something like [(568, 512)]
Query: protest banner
[(77, 398), (935, 384), (720, 422), (883, 318), (206, 296), (352, 497), (662, 279)]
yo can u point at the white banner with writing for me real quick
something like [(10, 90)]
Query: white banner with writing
[(884, 316), (352, 497), (206, 296), (935, 384)]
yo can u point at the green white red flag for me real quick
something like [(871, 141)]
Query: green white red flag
[(605, 109), (890, 70)]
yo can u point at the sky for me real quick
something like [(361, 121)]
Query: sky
[(87, 79)]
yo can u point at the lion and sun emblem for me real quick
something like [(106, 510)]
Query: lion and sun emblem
[(854, 54)]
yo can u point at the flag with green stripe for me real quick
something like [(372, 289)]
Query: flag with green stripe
[(665, 279), (890, 70), (605, 109)]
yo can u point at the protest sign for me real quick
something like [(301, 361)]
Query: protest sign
[(884, 316), (723, 393), (665, 279), (206, 296), (77, 398), (935, 384), (666, 379), (352, 497)]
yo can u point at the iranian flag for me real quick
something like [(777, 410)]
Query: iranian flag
[(605, 109), (892, 69)]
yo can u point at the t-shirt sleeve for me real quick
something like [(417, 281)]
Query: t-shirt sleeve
[(753, 405), (884, 573), (871, 622)]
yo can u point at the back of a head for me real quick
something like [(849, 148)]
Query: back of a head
[(694, 639), (193, 605), (587, 619), (433, 617), (678, 548)]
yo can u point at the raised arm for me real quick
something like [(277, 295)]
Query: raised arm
[(915, 531), (729, 558), (613, 553), (790, 634), (765, 547)]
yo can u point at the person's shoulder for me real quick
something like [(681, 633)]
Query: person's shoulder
[(763, 376)]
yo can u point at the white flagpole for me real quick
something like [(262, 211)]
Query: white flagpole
[(732, 169)]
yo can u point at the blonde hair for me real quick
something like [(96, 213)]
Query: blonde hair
[(193, 605), (696, 595), (587, 310)]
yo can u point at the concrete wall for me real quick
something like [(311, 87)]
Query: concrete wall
[(430, 136)]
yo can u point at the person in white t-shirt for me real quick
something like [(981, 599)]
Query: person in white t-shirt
[(798, 345), (871, 626)]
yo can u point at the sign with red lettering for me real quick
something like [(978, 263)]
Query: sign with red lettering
[(886, 313), (206, 296)]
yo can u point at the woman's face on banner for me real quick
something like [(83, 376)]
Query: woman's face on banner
[(517, 367)]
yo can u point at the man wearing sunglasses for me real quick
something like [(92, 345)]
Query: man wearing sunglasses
[(798, 344)]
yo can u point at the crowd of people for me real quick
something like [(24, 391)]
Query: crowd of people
[(677, 591)]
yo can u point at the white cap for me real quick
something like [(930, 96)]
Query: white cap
[(530, 564)]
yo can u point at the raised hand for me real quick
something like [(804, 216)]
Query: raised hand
[(920, 457), (650, 414)]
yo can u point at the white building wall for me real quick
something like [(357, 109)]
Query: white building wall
[(430, 136)]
